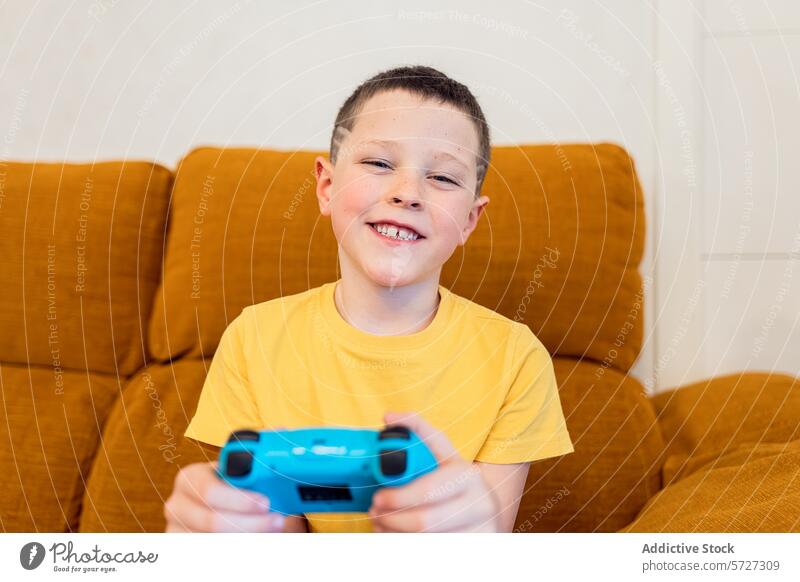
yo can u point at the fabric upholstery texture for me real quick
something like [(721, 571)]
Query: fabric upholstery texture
[(709, 418), (84, 242), (143, 449), (615, 468), (245, 227), (753, 487), (50, 428), (732, 461), (558, 248)]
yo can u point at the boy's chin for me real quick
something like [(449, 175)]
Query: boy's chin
[(393, 282), (391, 279)]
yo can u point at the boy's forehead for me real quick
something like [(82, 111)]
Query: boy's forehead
[(400, 119)]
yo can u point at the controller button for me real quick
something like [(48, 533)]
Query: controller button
[(395, 432), (243, 435), (239, 464), (393, 462), (325, 493)]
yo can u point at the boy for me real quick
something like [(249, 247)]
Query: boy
[(408, 156)]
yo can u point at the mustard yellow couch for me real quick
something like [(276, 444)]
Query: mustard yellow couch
[(121, 276)]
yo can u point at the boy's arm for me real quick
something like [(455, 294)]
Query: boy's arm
[(507, 483), (293, 523)]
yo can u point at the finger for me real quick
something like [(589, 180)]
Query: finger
[(240, 522), (224, 497), (195, 480), (430, 518), (457, 514), (198, 518), (447, 481), (201, 484), (437, 441), (184, 515)]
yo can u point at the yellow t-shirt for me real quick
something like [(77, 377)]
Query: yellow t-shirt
[(484, 380)]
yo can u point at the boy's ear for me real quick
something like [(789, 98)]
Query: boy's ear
[(472, 220), (323, 169)]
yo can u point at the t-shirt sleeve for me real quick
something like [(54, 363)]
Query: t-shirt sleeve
[(226, 403), (530, 424)]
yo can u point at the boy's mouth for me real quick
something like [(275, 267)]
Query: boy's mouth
[(395, 232)]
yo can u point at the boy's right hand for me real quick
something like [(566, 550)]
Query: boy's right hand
[(202, 502)]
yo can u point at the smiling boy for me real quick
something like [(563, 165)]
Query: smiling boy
[(408, 156)]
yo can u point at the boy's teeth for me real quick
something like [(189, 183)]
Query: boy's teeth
[(395, 232)]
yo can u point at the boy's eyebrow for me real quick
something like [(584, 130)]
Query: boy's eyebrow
[(394, 145), (381, 142)]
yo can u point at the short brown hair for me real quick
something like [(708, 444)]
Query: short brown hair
[(426, 82)]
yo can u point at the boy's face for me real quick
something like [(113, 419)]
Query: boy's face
[(410, 162)]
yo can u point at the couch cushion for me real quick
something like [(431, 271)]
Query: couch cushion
[(558, 247), (706, 419), (752, 488), (244, 227), (84, 242), (615, 468), (50, 425), (143, 448)]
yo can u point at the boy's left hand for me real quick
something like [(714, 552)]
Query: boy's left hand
[(452, 498)]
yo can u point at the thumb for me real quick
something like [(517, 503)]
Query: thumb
[(437, 441)]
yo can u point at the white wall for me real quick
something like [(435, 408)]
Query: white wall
[(107, 79), (728, 112)]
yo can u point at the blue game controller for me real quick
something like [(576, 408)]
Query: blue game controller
[(323, 469)]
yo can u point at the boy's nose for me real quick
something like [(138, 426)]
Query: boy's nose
[(406, 202)]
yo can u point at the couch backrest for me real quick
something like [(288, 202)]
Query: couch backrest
[(81, 246), (557, 248)]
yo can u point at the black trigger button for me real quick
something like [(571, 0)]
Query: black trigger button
[(393, 462), (239, 464), (243, 435), (395, 432)]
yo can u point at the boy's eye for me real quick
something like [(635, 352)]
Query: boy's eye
[(445, 179), (378, 164)]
